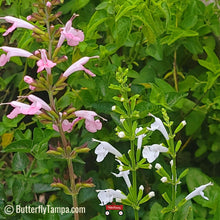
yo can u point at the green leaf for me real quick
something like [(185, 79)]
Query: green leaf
[(176, 34), (194, 121), (185, 212), (122, 30), (42, 188), (124, 9), (20, 161), (190, 16), (24, 146), (18, 190), (73, 6), (155, 212), (98, 18)]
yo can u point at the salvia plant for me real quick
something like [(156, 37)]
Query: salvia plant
[(141, 157), (61, 120), (157, 29)]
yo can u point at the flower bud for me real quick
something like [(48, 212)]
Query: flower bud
[(122, 120), (180, 127), (120, 168), (158, 166), (121, 134), (48, 4), (163, 179), (171, 163), (113, 108), (151, 194), (141, 187)]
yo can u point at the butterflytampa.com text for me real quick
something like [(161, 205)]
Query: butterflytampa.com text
[(44, 209)]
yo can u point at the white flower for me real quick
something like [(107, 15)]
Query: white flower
[(199, 192), (139, 137), (124, 174), (103, 149), (158, 125), (107, 195), (163, 179), (152, 152)]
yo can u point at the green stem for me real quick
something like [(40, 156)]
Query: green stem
[(31, 168), (174, 174), (73, 187), (175, 72), (174, 185), (49, 34), (134, 177)]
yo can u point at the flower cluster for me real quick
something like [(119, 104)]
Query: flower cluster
[(38, 106)]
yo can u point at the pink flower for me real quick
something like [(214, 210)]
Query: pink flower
[(44, 63), (21, 108), (29, 80), (72, 35), (36, 101), (25, 109), (16, 23), (92, 125), (66, 125), (78, 65), (12, 52)]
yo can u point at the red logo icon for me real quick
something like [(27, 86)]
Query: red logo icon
[(113, 206)]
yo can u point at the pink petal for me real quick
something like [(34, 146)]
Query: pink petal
[(12, 28), (13, 113), (3, 59)]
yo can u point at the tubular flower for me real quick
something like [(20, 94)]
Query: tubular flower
[(16, 23), (72, 35), (12, 52), (44, 63), (139, 137), (25, 109), (107, 195), (21, 108), (92, 125), (36, 101), (152, 152), (199, 192), (103, 149), (78, 65), (158, 125), (124, 174)]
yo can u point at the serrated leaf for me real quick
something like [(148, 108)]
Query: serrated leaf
[(24, 146), (20, 161)]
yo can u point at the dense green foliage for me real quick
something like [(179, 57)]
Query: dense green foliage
[(171, 48)]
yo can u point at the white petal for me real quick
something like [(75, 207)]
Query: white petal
[(149, 154)]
